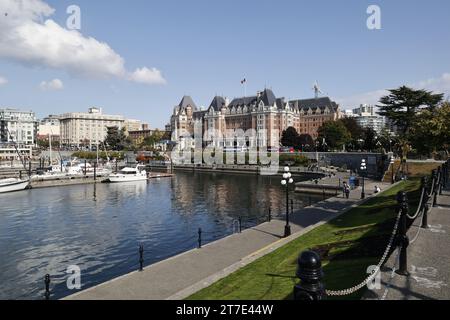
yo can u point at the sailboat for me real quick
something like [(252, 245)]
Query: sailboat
[(14, 184), (54, 171)]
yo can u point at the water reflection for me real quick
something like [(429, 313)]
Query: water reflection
[(99, 227)]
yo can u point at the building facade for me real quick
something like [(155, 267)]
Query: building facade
[(49, 126), (133, 125), (18, 126), (366, 117), (87, 128), (266, 114)]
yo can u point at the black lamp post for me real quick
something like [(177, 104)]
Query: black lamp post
[(363, 170), (392, 173), (287, 180)]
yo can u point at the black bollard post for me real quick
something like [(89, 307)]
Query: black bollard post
[(20, 174), (47, 286), (85, 167), (141, 257), (95, 171), (240, 224), (435, 186), (199, 238), (402, 237), (424, 204), (445, 174), (310, 272), (270, 215)]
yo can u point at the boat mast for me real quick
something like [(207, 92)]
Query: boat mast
[(50, 146), (17, 150), (97, 152)]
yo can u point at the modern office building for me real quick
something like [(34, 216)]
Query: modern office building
[(18, 126), (87, 128)]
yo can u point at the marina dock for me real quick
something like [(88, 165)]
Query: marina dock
[(67, 181)]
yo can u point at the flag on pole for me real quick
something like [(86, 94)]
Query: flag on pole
[(243, 81)]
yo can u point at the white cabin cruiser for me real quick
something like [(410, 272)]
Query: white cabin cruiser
[(128, 174), (13, 184)]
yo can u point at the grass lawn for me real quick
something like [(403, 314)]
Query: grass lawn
[(415, 169), (347, 244)]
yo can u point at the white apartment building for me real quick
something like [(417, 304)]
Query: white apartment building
[(87, 128), (49, 126), (366, 117), (18, 126)]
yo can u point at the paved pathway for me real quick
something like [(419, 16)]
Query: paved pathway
[(428, 261), (184, 274)]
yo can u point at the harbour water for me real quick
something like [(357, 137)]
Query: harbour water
[(99, 227)]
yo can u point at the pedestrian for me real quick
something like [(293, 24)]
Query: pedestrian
[(346, 189), (377, 189)]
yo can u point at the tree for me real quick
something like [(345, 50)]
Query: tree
[(116, 139), (431, 130), (289, 137), (304, 142), (356, 131), (402, 105), (369, 137), (335, 134), (387, 140), (150, 141)]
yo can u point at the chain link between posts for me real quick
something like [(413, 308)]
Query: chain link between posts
[(432, 189), (419, 207), (377, 268)]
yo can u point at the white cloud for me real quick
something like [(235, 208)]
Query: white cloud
[(437, 85), (26, 37), (52, 85), (147, 76), (3, 81)]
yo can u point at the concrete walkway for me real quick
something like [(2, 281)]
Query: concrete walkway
[(428, 261), (184, 274)]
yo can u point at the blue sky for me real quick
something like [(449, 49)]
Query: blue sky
[(202, 48)]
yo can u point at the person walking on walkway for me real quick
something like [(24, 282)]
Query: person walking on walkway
[(346, 189)]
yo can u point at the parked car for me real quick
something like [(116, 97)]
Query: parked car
[(287, 149)]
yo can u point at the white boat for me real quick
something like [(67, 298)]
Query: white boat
[(76, 168), (128, 174), (10, 185)]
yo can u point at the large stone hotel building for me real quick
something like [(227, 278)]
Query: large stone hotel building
[(268, 115)]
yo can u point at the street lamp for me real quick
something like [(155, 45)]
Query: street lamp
[(287, 180), (392, 167), (363, 169)]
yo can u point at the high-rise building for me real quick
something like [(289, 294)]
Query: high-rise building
[(18, 126)]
